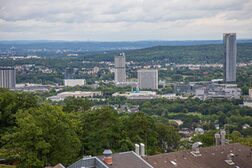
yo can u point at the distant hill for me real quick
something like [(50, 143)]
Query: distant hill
[(209, 53), (100, 46), (145, 51)]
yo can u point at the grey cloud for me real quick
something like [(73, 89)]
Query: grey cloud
[(112, 11), (93, 18)]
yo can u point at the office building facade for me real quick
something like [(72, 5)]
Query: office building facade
[(230, 53), (120, 68), (74, 82), (148, 79), (7, 77), (69, 73)]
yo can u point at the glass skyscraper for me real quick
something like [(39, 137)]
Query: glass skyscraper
[(230, 53)]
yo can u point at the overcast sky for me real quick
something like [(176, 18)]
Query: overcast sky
[(121, 20)]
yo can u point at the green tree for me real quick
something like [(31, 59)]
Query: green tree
[(207, 138), (44, 135), (140, 128), (168, 137), (72, 104), (11, 102), (101, 129)]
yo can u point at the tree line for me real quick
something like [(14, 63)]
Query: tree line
[(36, 133)]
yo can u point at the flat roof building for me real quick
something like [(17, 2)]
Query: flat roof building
[(7, 77), (63, 95), (148, 79), (74, 82)]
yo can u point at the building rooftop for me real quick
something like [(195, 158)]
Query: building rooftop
[(211, 157), (7, 68), (226, 156), (127, 160), (120, 160)]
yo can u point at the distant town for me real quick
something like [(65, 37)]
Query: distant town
[(146, 85), (121, 111)]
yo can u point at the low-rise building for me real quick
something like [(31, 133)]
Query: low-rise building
[(139, 95), (125, 84), (218, 91), (74, 82), (29, 87), (247, 103), (63, 95)]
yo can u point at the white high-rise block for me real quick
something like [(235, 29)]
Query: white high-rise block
[(250, 93), (7, 77), (120, 68), (148, 79)]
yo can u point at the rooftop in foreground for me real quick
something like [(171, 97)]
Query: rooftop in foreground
[(120, 160), (226, 156), (211, 157)]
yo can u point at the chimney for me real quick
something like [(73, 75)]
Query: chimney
[(230, 159), (137, 149), (195, 149), (223, 137), (107, 156), (142, 149), (217, 138)]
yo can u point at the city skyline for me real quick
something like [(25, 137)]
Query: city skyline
[(130, 20)]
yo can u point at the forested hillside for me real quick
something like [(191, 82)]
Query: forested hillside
[(212, 53)]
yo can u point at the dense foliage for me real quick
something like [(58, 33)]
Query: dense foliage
[(35, 133), (197, 112)]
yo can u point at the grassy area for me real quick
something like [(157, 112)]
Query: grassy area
[(7, 166), (176, 114)]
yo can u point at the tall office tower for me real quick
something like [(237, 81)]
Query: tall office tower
[(7, 77), (230, 52), (69, 73), (148, 78), (250, 94), (120, 68)]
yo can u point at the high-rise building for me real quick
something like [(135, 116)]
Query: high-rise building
[(7, 77), (69, 73), (120, 68), (148, 78), (230, 53), (250, 94)]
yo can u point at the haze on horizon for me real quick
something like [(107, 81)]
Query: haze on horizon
[(127, 20)]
